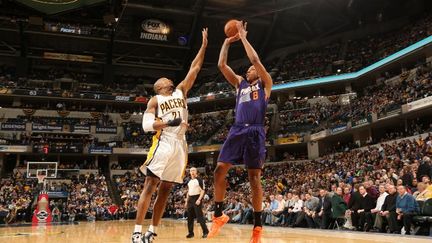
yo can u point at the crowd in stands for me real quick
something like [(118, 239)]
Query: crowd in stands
[(104, 120), (134, 135), (201, 127), (332, 59), (124, 85), (16, 195), (86, 164), (89, 199), (130, 186), (295, 117), (377, 188), (300, 116), (365, 51), (307, 64)]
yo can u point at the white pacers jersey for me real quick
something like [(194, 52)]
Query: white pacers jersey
[(172, 107), (167, 157)]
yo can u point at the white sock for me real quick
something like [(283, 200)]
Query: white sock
[(138, 228), (152, 229)]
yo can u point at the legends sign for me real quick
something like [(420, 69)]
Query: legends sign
[(13, 126)]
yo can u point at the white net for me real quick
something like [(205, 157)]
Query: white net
[(41, 176)]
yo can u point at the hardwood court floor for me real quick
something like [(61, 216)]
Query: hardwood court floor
[(172, 231)]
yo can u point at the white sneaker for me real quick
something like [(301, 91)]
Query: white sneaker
[(149, 237), (137, 237)]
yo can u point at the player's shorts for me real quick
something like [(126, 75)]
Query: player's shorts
[(245, 144), (167, 157)]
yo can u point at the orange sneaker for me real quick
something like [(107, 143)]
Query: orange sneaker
[(256, 235), (217, 225)]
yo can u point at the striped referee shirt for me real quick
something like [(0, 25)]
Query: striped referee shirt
[(195, 186)]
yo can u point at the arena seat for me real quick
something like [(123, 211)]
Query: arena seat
[(424, 218)]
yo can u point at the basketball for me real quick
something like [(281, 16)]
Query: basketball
[(231, 28)]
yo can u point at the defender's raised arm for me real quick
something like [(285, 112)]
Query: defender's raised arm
[(195, 67)]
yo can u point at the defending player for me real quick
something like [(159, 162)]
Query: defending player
[(167, 114), (246, 139)]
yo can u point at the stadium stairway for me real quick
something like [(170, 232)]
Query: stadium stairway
[(274, 125), (112, 189)]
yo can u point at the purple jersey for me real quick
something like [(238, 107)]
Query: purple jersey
[(251, 103), (246, 139)]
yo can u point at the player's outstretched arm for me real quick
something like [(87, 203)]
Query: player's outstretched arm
[(226, 70), (150, 124), (254, 59), (195, 67)]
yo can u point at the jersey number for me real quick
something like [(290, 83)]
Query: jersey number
[(255, 95), (176, 114)]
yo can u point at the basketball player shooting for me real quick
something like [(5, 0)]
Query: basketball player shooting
[(167, 114), (246, 139)]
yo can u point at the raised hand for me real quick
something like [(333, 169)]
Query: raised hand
[(241, 27), (204, 37), (174, 123), (232, 39)]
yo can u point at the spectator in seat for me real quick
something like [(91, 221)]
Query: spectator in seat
[(339, 206), (406, 208), (91, 216), (277, 213), (121, 213), (425, 168), (354, 205), (407, 176), (268, 212), (210, 212), (323, 214), (347, 198), (289, 202), (375, 211), (423, 193), (230, 207), (414, 185), (71, 214), (426, 180), (4, 212), (371, 189), (310, 206), (367, 203), (388, 209), (247, 212), (347, 194), (237, 216), (113, 210), (293, 213), (56, 214)]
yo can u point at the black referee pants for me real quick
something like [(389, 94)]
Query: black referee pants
[(195, 211)]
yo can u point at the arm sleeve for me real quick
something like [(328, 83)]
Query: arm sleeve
[(147, 122), (201, 183)]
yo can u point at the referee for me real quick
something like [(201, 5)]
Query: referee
[(193, 203)]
